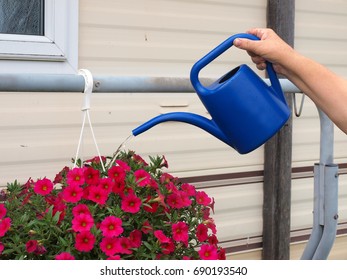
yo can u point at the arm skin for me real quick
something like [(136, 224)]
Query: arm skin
[(326, 89)]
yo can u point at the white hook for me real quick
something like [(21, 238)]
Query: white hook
[(88, 87)]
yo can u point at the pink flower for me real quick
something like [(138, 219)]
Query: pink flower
[(2, 211), (189, 189), (135, 238), (208, 252), (72, 193), (76, 177), (111, 226), (82, 222), (80, 209), (64, 256), (142, 177), (43, 186), (2, 247), (146, 227), (118, 188), (151, 207), (160, 235), (117, 173), (31, 246), (106, 184), (202, 198), (123, 245), (167, 248), (201, 232), (84, 241), (114, 258), (98, 195), (91, 176), (180, 231), (5, 224), (174, 200), (131, 204), (123, 165), (109, 246)]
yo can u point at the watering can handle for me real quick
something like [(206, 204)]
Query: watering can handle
[(194, 74)]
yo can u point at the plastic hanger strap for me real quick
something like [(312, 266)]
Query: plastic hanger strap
[(88, 89)]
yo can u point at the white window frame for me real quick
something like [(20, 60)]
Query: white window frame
[(56, 52)]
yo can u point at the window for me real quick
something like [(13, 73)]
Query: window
[(38, 36)]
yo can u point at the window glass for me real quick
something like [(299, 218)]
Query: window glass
[(25, 17)]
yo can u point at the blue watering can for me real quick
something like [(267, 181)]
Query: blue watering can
[(245, 111)]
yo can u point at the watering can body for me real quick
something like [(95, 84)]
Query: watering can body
[(245, 111)]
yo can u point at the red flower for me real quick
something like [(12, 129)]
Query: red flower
[(117, 173), (152, 206), (160, 235), (201, 232), (146, 227), (72, 193), (114, 258), (80, 209), (135, 238), (111, 226), (208, 252), (123, 245), (180, 232), (91, 176), (189, 189), (31, 246), (167, 248), (202, 198), (2, 211), (123, 164), (131, 204), (109, 246), (142, 177), (43, 187), (82, 222), (76, 177), (64, 256), (5, 224), (174, 201), (98, 195), (2, 247), (84, 241), (106, 184)]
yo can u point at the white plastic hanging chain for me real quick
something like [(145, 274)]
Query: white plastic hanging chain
[(88, 89)]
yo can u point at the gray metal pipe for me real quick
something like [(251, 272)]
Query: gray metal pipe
[(75, 83)]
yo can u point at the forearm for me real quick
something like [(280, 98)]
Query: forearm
[(325, 88)]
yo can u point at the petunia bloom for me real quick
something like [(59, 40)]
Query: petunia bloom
[(2, 210), (64, 256), (208, 252), (5, 225), (142, 177), (201, 232), (84, 241), (82, 222), (98, 195), (43, 186), (160, 235), (202, 198), (111, 226), (109, 246), (180, 231), (76, 177), (72, 193), (131, 204)]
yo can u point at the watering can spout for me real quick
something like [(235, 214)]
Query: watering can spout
[(190, 118)]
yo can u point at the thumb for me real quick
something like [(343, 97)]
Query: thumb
[(245, 44)]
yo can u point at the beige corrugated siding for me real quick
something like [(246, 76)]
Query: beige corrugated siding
[(39, 131)]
